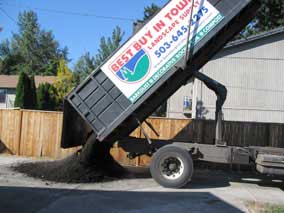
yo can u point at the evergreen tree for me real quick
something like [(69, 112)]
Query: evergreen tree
[(270, 15), (32, 48), (108, 46), (84, 66), (20, 91), (8, 60), (149, 11), (46, 96), (86, 63), (22, 96), (32, 96), (25, 92)]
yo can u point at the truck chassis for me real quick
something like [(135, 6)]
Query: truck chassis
[(172, 161)]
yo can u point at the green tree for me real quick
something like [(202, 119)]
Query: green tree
[(84, 66), (32, 96), (108, 46), (270, 15), (86, 63), (25, 92), (46, 96), (32, 48), (8, 60), (20, 90), (149, 11), (65, 82)]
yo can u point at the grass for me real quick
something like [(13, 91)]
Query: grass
[(274, 209), (265, 208)]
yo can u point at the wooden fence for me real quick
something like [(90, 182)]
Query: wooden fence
[(166, 129), (33, 133), (236, 133), (38, 134)]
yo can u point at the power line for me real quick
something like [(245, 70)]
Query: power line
[(74, 13), (254, 58), (10, 17)]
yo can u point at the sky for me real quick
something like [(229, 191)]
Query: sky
[(80, 33)]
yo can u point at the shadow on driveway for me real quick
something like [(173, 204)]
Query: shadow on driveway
[(28, 200), (210, 178)]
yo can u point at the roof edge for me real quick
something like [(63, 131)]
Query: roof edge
[(255, 37)]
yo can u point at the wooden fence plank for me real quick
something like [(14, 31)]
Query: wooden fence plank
[(41, 135), (10, 129), (276, 136)]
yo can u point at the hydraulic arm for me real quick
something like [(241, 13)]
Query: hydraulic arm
[(221, 93)]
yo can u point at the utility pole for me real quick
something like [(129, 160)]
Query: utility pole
[(186, 57)]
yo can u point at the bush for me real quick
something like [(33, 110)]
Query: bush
[(25, 92), (46, 97)]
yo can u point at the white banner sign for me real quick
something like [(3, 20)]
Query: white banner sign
[(159, 45)]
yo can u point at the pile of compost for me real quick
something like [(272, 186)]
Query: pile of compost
[(91, 164), (70, 170)]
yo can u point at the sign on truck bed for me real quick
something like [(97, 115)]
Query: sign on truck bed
[(159, 45), (146, 70)]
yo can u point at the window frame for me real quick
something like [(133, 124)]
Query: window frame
[(4, 99)]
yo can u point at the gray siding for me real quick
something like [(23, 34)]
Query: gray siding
[(175, 102), (254, 76)]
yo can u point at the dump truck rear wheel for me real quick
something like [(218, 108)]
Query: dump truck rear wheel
[(172, 166)]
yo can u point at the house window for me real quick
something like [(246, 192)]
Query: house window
[(187, 106), (2, 96)]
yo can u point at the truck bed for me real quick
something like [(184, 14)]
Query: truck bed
[(98, 105)]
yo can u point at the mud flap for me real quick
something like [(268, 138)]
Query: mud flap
[(75, 130)]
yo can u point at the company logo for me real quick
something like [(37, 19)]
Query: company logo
[(135, 69)]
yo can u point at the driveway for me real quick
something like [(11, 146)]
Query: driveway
[(209, 191)]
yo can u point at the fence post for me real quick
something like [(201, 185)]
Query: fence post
[(20, 132)]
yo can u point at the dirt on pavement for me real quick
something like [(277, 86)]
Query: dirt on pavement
[(71, 170)]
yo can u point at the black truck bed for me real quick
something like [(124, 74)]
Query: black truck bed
[(98, 105)]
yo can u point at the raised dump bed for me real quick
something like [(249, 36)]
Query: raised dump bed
[(147, 69)]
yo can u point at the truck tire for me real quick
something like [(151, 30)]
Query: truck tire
[(172, 166)]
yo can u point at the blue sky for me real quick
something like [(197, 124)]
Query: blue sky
[(79, 33)]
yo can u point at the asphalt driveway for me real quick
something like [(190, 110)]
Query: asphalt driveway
[(209, 191)]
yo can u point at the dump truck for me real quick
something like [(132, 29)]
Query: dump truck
[(165, 54)]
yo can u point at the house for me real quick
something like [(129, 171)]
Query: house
[(252, 69), (8, 84)]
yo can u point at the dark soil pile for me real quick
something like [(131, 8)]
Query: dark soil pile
[(91, 164), (71, 170)]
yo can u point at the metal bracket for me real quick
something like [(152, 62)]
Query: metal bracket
[(144, 132), (152, 128)]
